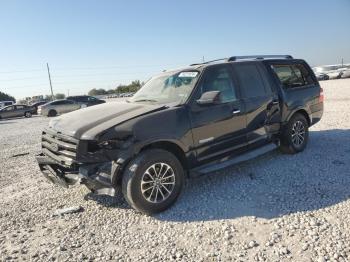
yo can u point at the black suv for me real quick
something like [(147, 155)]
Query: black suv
[(85, 101), (184, 123)]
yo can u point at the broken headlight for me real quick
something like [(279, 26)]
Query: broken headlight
[(95, 146)]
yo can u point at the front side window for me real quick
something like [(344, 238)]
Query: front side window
[(292, 76), (168, 87), (218, 78), (250, 80)]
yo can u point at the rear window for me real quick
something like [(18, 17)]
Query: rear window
[(292, 76), (250, 80)]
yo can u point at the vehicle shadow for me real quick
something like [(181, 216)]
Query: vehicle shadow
[(108, 201), (268, 186), (6, 122), (10, 119), (272, 185)]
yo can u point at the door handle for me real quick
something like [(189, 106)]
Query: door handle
[(275, 102), (236, 111)]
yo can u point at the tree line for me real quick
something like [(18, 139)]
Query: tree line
[(130, 88), (6, 97)]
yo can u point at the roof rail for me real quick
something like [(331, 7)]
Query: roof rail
[(235, 58), (208, 62)]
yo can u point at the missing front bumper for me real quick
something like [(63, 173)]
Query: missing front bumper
[(101, 178)]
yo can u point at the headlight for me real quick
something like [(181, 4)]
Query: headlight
[(94, 146)]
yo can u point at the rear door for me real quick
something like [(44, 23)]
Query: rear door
[(66, 106), (263, 114), (218, 129), (20, 110), (300, 87)]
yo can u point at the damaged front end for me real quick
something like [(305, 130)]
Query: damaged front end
[(67, 161)]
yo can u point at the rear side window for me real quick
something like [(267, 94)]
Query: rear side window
[(250, 80), (292, 76)]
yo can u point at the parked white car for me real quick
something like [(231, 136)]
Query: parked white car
[(332, 71), (6, 103), (58, 107)]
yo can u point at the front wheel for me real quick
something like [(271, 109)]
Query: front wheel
[(153, 181), (295, 135)]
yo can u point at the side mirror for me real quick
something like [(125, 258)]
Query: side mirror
[(209, 98)]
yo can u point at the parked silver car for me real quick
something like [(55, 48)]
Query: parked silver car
[(58, 107), (16, 111)]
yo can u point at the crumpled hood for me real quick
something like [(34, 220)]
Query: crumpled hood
[(88, 122)]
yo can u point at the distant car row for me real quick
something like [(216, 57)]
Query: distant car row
[(332, 72), (70, 104), (50, 109)]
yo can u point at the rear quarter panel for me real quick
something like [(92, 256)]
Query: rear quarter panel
[(298, 98)]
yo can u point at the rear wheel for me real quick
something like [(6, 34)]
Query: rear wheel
[(153, 181), (295, 135), (52, 113), (28, 114)]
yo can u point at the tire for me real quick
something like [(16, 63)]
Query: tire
[(28, 114), (295, 135), (52, 113), (135, 178)]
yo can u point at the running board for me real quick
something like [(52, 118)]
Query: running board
[(212, 167)]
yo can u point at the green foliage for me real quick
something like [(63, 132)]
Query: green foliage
[(132, 87), (60, 96), (6, 97), (48, 97), (96, 92)]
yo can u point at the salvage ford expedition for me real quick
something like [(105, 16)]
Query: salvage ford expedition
[(184, 123)]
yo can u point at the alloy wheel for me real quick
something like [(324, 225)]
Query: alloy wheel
[(158, 182), (298, 133)]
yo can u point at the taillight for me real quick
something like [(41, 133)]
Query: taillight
[(321, 97)]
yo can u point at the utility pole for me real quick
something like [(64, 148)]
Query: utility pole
[(48, 71), (203, 59), (67, 92), (342, 62)]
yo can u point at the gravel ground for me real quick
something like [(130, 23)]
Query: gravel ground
[(274, 208)]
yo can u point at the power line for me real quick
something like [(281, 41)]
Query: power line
[(22, 71), (94, 68), (96, 82)]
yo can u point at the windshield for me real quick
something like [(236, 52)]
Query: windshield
[(167, 88)]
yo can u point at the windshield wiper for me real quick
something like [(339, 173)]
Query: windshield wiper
[(145, 100)]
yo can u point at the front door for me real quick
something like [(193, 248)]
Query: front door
[(218, 129), (20, 110), (8, 112)]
